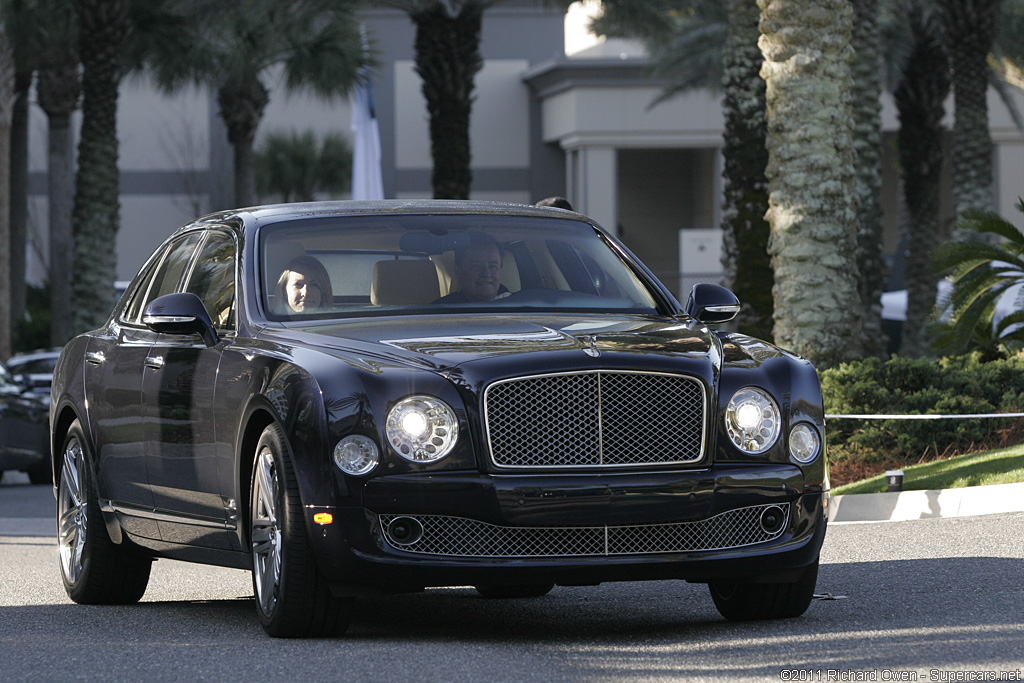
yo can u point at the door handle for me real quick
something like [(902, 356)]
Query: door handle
[(94, 357), (155, 362)]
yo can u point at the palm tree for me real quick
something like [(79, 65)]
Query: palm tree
[(745, 158), (971, 27), (447, 59), (982, 273), (867, 142), (19, 25), (103, 29), (8, 95), (297, 165), (231, 45), (713, 45), (812, 202), (919, 98), (58, 91)]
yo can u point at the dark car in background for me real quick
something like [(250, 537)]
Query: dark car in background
[(24, 429), (355, 398), (34, 369)]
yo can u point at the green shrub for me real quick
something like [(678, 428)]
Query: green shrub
[(954, 385)]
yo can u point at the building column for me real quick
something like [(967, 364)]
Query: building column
[(592, 179)]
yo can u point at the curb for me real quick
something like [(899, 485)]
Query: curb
[(910, 505)]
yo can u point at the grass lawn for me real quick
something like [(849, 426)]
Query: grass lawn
[(1004, 466)]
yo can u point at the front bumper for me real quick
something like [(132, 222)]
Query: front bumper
[(744, 523)]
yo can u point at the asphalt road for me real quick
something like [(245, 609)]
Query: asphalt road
[(929, 600)]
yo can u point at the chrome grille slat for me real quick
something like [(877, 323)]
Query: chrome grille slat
[(596, 418), (461, 537)]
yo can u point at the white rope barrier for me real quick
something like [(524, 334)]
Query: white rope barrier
[(921, 417)]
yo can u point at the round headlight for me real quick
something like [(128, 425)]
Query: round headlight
[(422, 428), (356, 454), (804, 442), (752, 420)]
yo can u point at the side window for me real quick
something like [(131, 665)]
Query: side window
[(213, 278), (166, 275)]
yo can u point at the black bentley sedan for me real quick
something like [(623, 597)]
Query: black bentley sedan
[(354, 398)]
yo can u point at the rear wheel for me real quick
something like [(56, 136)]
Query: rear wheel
[(759, 601), (510, 592), (95, 570), (292, 599)]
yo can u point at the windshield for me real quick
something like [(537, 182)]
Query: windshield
[(387, 264)]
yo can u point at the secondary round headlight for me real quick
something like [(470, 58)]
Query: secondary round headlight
[(356, 454), (422, 428), (752, 420), (804, 442)]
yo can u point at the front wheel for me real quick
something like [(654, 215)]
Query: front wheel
[(760, 601), (95, 570), (292, 599)]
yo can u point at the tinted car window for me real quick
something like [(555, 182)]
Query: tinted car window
[(395, 264), (213, 278), (166, 274)]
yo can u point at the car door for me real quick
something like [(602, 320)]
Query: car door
[(115, 359), (179, 401)]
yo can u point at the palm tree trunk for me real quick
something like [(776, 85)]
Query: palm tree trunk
[(58, 92), (60, 186), (812, 201), (7, 97), (241, 105), (19, 198), (867, 142), (971, 29), (447, 60), (745, 230), (103, 26), (919, 100)]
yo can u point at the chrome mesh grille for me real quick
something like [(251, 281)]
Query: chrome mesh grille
[(461, 537), (598, 418)]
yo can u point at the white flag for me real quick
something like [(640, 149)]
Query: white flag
[(367, 182)]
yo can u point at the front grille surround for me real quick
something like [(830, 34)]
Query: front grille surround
[(595, 419), (449, 536)]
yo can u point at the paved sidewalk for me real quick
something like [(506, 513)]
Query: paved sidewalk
[(909, 505)]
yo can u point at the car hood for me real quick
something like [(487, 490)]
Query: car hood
[(445, 342)]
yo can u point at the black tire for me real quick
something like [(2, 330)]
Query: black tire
[(760, 601), (94, 569), (513, 592), (40, 473), (292, 599)]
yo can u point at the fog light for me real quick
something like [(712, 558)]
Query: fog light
[(356, 454), (772, 519), (405, 530)]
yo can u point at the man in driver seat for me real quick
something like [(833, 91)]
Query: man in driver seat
[(478, 269)]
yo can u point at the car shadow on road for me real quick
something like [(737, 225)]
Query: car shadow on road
[(888, 615)]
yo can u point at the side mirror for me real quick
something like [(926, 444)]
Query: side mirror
[(180, 314), (711, 304)]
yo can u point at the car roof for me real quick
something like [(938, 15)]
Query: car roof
[(274, 213)]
